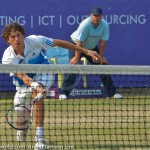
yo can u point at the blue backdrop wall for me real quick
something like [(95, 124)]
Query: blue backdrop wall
[(129, 24)]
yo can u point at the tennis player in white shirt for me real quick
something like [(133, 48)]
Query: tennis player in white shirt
[(28, 50)]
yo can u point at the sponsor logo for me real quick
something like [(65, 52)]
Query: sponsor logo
[(79, 92), (52, 93)]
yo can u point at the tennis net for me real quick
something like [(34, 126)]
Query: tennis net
[(88, 119)]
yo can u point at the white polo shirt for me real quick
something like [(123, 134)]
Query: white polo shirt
[(32, 52)]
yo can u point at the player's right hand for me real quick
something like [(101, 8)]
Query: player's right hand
[(41, 89)]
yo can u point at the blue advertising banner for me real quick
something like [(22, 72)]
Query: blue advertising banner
[(129, 23)]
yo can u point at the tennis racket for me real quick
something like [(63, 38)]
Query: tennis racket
[(20, 117)]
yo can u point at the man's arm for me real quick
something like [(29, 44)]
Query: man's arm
[(30, 82), (101, 52), (77, 56), (65, 44), (26, 79)]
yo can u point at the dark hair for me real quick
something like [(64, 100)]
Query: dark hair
[(13, 27)]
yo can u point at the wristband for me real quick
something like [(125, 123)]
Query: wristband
[(39, 96), (34, 85)]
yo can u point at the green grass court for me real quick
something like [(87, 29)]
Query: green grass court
[(104, 124)]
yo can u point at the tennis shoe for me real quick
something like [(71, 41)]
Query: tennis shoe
[(40, 143), (118, 96), (62, 96), (21, 135)]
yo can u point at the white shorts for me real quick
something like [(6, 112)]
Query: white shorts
[(23, 95)]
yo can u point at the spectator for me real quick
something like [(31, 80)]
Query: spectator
[(92, 31)]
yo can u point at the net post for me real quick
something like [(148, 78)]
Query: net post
[(84, 76), (60, 76)]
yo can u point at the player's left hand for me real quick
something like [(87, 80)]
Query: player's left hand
[(95, 56)]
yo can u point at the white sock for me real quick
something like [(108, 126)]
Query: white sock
[(39, 132)]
